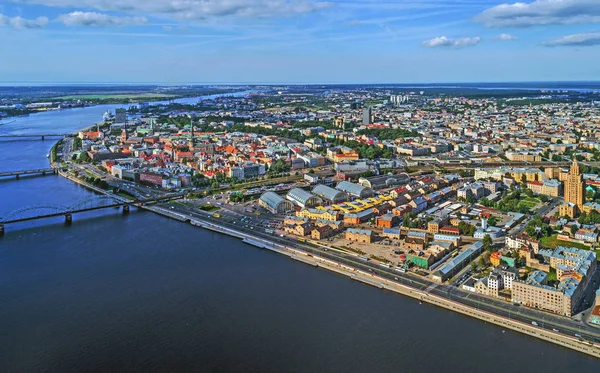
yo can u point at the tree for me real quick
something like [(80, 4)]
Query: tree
[(473, 266), (77, 143), (481, 262), (487, 242), (573, 229), (466, 229), (85, 157), (492, 221)]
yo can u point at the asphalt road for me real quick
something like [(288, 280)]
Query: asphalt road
[(527, 315), (545, 320)]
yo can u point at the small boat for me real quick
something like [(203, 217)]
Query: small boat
[(48, 155)]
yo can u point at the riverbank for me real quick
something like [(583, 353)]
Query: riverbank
[(368, 278)]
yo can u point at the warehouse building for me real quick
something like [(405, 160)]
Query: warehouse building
[(330, 194), (303, 198), (274, 203), (354, 190)]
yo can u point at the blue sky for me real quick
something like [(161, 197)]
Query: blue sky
[(298, 41)]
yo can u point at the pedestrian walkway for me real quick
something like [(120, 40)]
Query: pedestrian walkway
[(431, 287)]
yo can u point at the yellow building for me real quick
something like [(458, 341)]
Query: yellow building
[(575, 187), (568, 209), (522, 157), (552, 188), (329, 215), (552, 172), (531, 174)]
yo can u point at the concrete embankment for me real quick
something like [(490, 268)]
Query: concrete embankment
[(547, 335), (382, 283), (370, 279)]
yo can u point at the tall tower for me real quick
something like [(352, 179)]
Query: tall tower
[(574, 186), (367, 115), (192, 133)]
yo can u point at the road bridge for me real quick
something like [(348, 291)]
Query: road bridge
[(39, 171), (33, 135), (44, 211)]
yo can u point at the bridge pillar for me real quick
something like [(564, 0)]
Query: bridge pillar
[(17, 176), (68, 218), (1, 230), (43, 138), (125, 209)]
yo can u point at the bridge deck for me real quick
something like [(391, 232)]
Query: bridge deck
[(121, 202), (36, 135), (27, 172)]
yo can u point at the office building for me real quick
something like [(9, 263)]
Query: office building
[(575, 187), (367, 115)]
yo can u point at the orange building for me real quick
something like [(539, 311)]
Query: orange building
[(496, 258), (386, 221)]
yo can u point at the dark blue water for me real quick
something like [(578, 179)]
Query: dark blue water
[(141, 293)]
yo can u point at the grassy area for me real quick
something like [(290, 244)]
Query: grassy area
[(353, 250), (379, 258), (125, 195), (209, 208), (551, 275), (552, 242), (529, 202), (134, 96)]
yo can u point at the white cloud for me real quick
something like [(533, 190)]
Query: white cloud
[(576, 40), (99, 19), (506, 37), (197, 9), (541, 12), (443, 41), (20, 23)]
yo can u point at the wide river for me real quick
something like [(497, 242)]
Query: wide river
[(141, 293)]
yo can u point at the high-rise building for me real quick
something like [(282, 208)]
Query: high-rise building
[(192, 134), (120, 115), (367, 115), (574, 186)]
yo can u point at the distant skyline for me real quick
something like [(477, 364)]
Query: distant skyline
[(299, 41)]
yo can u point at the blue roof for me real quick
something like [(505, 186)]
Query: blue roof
[(272, 199), (300, 195), (460, 258), (416, 234), (328, 193), (354, 189), (359, 231)]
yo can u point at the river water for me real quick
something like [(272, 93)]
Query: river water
[(141, 293)]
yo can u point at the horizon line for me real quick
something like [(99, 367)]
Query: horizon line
[(74, 83)]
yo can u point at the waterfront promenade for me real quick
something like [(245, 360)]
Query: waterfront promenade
[(204, 220), (387, 284)]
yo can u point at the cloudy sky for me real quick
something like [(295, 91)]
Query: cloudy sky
[(298, 41)]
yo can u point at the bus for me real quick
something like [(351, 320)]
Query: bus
[(269, 231)]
